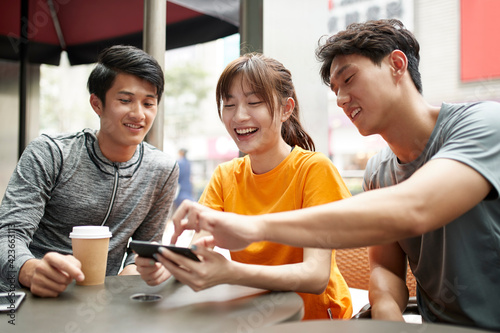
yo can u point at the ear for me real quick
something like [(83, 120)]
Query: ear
[(288, 109), (398, 63), (96, 104)]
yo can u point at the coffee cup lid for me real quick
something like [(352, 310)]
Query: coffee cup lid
[(90, 232)]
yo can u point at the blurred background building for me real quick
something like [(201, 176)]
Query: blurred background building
[(459, 51)]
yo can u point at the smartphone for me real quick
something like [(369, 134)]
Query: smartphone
[(147, 249), (10, 301)]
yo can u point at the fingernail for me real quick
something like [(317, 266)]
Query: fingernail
[(193, 247), (156, 258), (161, 250)]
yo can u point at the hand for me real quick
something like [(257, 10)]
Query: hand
[(229, 230), (214, 268), (49, 276), (186, 218), (152, 272)]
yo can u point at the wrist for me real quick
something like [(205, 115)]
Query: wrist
[(232, 275), (27, 271)]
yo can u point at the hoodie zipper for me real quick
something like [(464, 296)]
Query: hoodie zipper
[(113, 196)]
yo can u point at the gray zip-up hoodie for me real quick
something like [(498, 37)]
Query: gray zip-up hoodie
[(64, 181)]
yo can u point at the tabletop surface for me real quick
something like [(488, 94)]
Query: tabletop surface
[(363, 326), (120, 305)]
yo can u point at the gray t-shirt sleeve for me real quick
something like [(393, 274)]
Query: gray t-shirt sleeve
[(23, 205), (471, 136)]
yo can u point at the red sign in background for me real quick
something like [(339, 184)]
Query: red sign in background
[(480, 40)]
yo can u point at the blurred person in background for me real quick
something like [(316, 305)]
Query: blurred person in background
[(185, 186)]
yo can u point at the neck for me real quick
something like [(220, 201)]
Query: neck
[(114, 152), (265, 162), (411, 130)]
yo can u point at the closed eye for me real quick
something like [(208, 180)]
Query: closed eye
[(348, 79)]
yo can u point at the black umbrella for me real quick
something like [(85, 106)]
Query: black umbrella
[(36, 31), (83, 27)]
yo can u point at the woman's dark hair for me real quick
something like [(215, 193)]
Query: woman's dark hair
[(124, 59), (269, 79), (374, 40)]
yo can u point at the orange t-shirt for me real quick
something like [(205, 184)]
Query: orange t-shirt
[(303, 179)]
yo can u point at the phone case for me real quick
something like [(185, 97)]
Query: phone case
[(147, 249)]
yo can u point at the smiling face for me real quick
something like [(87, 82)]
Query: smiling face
[(248, 120), (364, 91), (126, 117)]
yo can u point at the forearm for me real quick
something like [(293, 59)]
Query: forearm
[(388, 295), (23, 207), (388, 292), (366, 219), (292, 277), (14, 253)]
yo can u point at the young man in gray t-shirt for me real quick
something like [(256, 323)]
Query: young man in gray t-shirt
[(433, 194)]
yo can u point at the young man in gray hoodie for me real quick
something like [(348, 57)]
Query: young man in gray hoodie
[(105, 177)]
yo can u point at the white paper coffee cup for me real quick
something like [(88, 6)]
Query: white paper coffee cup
[(90, 246), (90, 232)]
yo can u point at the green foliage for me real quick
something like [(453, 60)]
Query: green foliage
[(185, 87), (64, 99)]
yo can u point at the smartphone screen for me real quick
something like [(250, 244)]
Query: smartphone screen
[(147, 249), (10, 301)]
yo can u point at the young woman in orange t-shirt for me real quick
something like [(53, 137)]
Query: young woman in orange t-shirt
[(258, 105)]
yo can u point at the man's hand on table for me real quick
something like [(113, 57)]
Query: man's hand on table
[(49, 276)]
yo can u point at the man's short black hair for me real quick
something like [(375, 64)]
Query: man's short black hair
[(124, 59), (374, 40)]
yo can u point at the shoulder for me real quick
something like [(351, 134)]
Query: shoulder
[(236, 165), (155, 158), (58, 144), (487, 112), (475, 106), (306, 157), (51, 153), (310, 165), (470, 122)]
